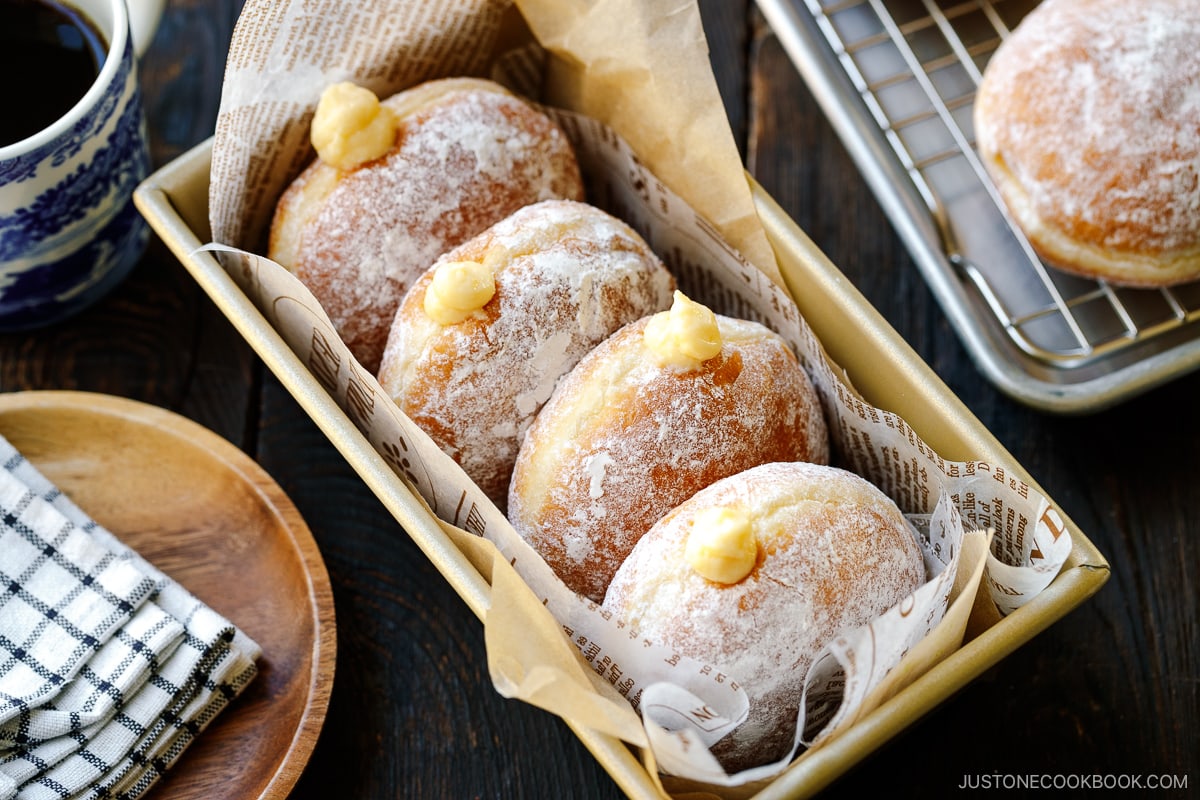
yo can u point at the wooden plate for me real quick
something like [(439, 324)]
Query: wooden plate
[(205, 513)]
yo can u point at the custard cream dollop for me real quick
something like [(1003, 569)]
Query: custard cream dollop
[(685, 336), (458, 289), (350, 127), (721, 545)]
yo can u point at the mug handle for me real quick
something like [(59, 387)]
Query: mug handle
[(143, 21)]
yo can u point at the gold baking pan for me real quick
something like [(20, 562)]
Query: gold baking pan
[(878, 362)]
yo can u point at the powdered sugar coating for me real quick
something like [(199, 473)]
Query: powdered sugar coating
[(834, 553), (1088, 119), (571, 276), (465, 157), (622, 441)]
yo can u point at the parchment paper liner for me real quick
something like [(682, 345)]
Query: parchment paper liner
[(643, 69)]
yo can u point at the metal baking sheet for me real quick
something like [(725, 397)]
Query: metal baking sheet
[(897, 80)]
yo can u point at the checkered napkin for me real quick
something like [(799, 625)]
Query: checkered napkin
[(108, 667)]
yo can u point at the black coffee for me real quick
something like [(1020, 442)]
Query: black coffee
[(50, 54)]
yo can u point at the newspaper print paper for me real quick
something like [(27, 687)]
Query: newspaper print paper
[(268, 100)]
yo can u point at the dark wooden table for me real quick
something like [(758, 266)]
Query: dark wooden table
[(1112, 689)]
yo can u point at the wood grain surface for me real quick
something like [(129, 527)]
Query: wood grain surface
[(1111, 689), (206, 514)]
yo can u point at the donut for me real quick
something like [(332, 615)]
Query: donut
[(756, 573), (1087, 119), (399, 182), (483, 336), (665, 406)]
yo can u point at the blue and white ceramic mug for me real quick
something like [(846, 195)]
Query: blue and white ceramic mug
[(69, 231)]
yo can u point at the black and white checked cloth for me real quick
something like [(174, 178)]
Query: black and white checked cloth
[(64, 595), (108, 667), (117, 670)]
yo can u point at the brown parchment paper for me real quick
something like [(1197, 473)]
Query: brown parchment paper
[(641, 69)]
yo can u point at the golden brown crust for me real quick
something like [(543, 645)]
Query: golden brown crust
[(622, 441), (467, 154), (1088, 120), (567, 276), (834, 552)]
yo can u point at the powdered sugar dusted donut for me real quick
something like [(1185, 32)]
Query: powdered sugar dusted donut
[(756, 573), (1088, 120), (465, 153), (472, 368), (664, 407)]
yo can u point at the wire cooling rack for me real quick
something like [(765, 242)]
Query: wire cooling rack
[(897, 79)]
